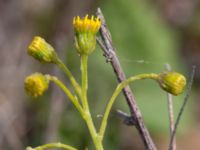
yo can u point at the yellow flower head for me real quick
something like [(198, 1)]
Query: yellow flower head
[(85, 31), (36, 84), (86, 25), (41, 50), (172, 82)]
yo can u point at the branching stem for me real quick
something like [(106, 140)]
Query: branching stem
[(70, 76), (87, 116), (116, 93), (72, 98)]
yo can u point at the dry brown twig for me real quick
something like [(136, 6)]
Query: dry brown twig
[(105, 43)]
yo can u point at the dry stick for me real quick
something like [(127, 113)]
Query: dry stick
[(127, 119), (171, 112), (109, 53), (182, 108)]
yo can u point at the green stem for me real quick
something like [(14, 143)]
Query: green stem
[(116, 93), (68, 93), (53, 145), (88, 118), (84, 59), (95, 137), (70, 76)]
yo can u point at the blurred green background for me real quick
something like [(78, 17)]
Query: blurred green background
[(146, 35)]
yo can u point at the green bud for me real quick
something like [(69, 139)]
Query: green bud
[(172, 82), (85, 43), (42, 51), (36, 84)]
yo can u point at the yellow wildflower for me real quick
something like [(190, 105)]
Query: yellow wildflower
[(85, 31), (86, 24), (36, 84)]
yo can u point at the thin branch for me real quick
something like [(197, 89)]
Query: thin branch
[(182, 107), (109, 53), (171, 112), (127, 119)]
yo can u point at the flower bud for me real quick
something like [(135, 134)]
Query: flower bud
[(172, 82), (85, 31), (41, 50), (36, 84)]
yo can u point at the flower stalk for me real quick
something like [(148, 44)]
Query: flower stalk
[(84, 59), (68, 73), (116, 93), (88, 118), (71, 97), (85, 41)]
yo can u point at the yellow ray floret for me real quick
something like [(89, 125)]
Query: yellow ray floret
[(85, 24), (37, 44)]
